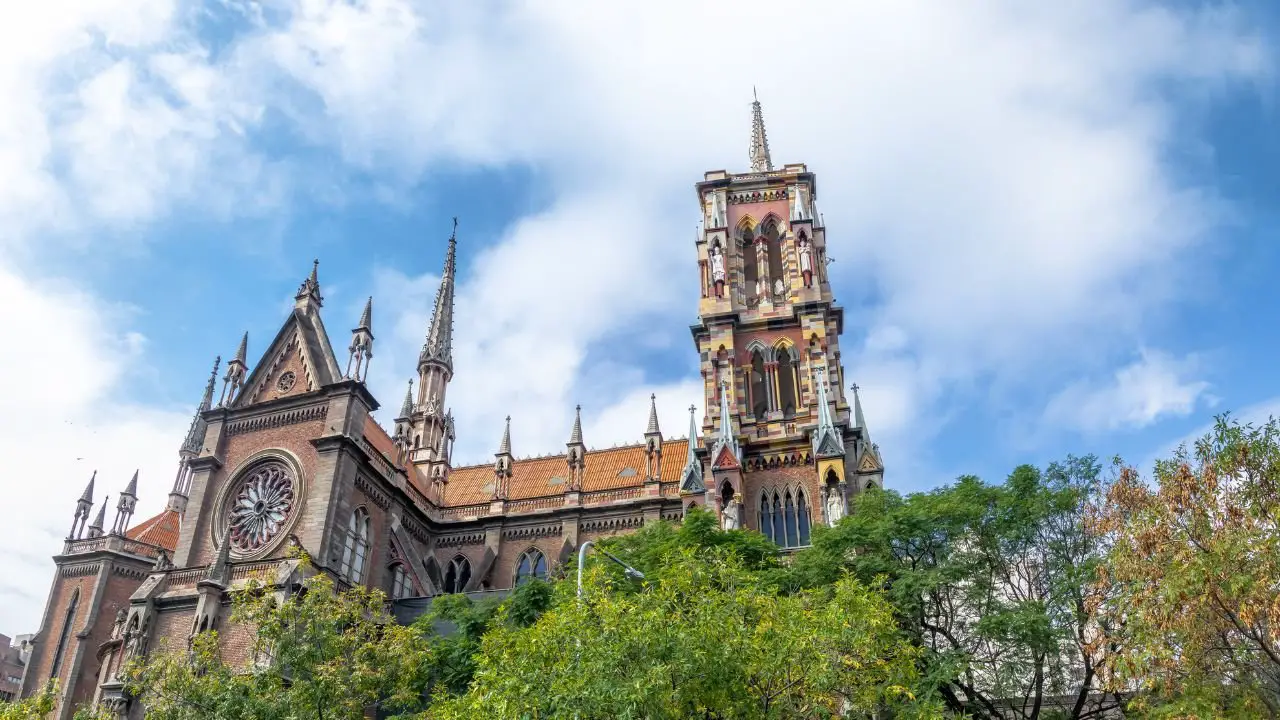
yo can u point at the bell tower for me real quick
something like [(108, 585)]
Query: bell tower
[(769, 338)]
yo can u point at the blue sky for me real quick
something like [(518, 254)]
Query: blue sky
[(1054, 228)]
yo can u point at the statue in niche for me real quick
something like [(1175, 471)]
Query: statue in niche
[(731, 516), (806, 261), (778, 287), (835, 506), (762, 267), (433, 404), (717, 269)]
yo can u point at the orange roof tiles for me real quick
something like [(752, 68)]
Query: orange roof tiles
[(379, 438), (161, 530), (606, 469)]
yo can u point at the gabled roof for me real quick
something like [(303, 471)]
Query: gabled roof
[(304, 329), (605, 469), (161, 530)]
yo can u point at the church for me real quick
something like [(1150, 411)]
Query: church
[(286, 455)]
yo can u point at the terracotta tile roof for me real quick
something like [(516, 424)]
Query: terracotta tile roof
[(378, 438), (161, 530), (606, 469)]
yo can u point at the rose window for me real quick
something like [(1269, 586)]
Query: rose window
[(259, 510)]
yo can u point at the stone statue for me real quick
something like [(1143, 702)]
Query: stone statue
[(717, 269), (778, 287), (835, 506), (732, 513), (117, 630), (806, 262)]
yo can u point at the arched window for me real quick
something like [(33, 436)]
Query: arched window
[(457, 575), (532, 564), (774, 240), (68, 620), (759, 386), (766, 517), (401, 587), (789, 510), (356, 546), (786, 383), (802, 517), (747, 251), (784, 517)]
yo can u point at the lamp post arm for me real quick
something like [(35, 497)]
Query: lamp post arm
[(582, 560)]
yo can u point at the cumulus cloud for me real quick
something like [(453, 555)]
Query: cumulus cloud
[(1151, 388)]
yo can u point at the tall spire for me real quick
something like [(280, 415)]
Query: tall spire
[(502, 467), (652, 427), (504, 448), (827, 439), (439, 343), (366, 317), (760, 160), (725, 437), (124, 508), (195, 433), (691, 476), (859, 421)]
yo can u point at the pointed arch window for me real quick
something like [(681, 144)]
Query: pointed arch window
[(747, 251), (355, 547), (784, 517), (401, 586), (786, 383), (759, 386), (68, 620), (774, 241), (532, 564), (457, 575)]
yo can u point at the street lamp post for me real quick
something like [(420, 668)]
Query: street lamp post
[(582, 559)]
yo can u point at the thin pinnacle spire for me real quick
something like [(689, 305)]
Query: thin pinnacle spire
[(858, 420), (759, 153), (575, 436), (505, 447), (206, 402), (100, 519), (652, 427), (693, 436), (406, 407), (87, 495), (243, 350), (311, 286), (366, 317), (439, 343), (132, 487)]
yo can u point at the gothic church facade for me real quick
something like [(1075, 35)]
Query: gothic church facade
[(286, 455)]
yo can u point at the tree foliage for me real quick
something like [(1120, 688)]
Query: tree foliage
[(991, 582), (704, 640), (1195, 571)]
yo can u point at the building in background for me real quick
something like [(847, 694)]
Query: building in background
[(286, 456), (13, 663)]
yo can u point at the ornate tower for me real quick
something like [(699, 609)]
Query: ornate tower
[(430, 425), (768, 335)]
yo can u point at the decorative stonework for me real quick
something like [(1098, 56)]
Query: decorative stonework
[(286, 381), (532, 531), (260, 507), (280, 419), (460, 539), (80, 570), (757, 196), (612, 524), (377, 497)]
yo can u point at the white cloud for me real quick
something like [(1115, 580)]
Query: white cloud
[(1151, 388), (63, 420)]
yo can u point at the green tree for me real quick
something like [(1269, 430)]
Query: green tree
[(992, 582), (33, 708), (316, 654), (704, 639), (1195, 574)]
